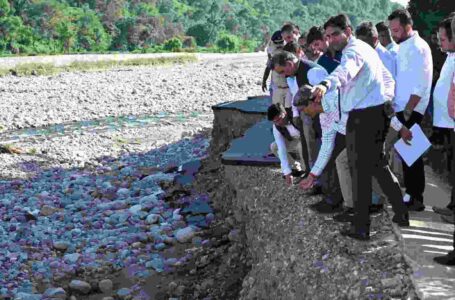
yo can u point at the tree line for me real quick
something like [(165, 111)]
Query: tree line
[(94, 26)]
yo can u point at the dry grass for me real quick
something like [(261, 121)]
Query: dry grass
[(37, 69)]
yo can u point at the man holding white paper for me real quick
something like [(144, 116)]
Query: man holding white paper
[(412, 94)]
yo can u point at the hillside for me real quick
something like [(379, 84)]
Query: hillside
[(74, 26)]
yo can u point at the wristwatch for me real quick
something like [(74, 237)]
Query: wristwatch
[(325, 83)]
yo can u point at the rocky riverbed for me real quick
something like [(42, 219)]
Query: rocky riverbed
[(99, 151)]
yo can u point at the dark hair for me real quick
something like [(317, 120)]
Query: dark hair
[(403, 15), (276, 37), (281, 57), (274, 110), (315, 33), (292, 47), (381, 26), (341, 21), (289, 28), (304, 96), (366, 29), (303, 35), (446, 24)]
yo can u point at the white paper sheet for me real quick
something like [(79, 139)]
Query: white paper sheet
[(419, 144)]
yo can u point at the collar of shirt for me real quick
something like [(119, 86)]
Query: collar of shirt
[(391, 45), (410, 40), (351, 41)]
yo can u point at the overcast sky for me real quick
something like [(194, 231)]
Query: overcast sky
[(402, 2)]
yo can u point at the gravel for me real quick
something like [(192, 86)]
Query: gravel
[(74, 119), (77, 128)]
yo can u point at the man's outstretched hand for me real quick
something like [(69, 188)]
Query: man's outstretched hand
[(289, 179), (319, 92), (307, 183), (264, 86)]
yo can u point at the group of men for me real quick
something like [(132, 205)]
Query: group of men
[(341, 98)]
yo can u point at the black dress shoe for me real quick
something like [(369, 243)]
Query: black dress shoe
[(443, 211), (446, 260), (375, 208), (346, 216), (401, 220), (416, 204), (326, 208), (448, 219), (358, 234)]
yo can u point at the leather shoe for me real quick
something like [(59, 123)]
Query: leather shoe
[(443, 211), (447, 260), (326, 208), (448, 219), (375, 208), (346, 216), (401, 220), (358, 234), (415, 205)]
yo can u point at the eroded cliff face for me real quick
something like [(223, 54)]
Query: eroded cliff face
[(291, 251), (229, 124)]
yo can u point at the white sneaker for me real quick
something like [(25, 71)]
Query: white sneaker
[(406, 198)]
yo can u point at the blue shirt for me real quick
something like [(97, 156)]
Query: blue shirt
[(328, 62)]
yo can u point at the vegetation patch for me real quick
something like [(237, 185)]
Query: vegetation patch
[(28, 69)]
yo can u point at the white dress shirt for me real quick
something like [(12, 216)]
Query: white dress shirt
[(387, 59), (393, 48), (281, 145), (441, 116), (293, 89), (362, 79), (414, 73)]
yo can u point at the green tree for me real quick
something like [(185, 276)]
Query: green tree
[(426, 14), (228, 42), (174, 45), (4, 8)]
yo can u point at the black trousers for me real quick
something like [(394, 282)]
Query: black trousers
[(414, 176), (330, 183), (365, 135)]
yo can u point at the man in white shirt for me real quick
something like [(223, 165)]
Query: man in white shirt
[(360, 78), (287, 141), (368, 33), (441, 118), (449, 43), (385, 38), (412, 94)]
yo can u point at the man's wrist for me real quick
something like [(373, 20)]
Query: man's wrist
[(325, 83)]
